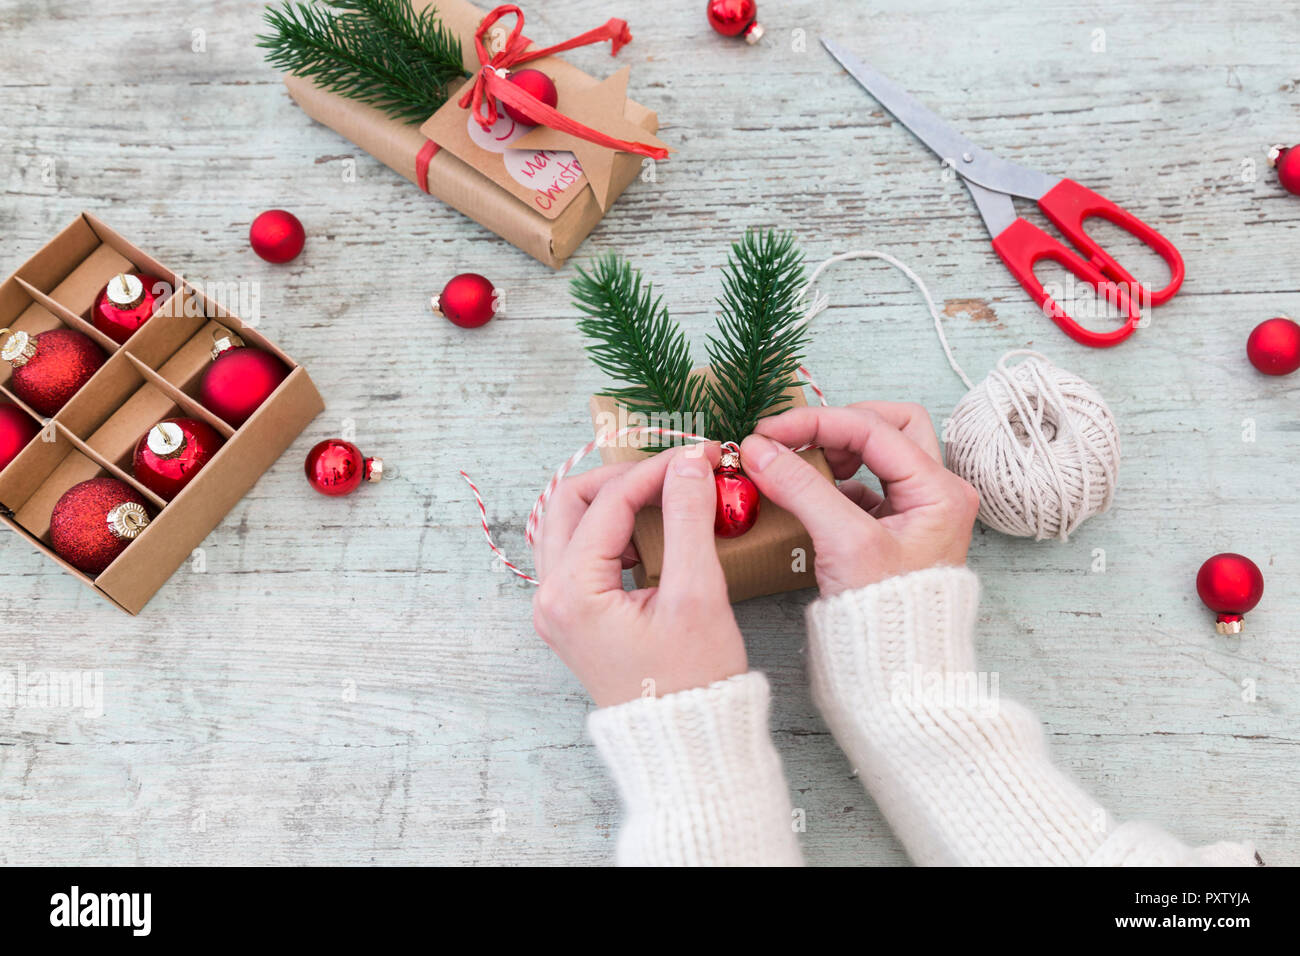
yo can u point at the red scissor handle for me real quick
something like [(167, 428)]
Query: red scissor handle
[(1022, 245), (1067, 205)]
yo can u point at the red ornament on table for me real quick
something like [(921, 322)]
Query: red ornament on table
[(95, 521), (1230, 584), (737, 497), (17, 428), (49, 367), (1274, 346), (733, 17), (1286, 160), (336, 467), (239, 380), (169, 455), (468, 300), (125, 304), (277, 235), (539, 85)]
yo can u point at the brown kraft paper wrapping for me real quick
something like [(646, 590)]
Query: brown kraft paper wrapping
[(396, 144)]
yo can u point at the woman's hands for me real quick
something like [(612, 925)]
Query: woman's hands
[(924, 518), (679, 635)]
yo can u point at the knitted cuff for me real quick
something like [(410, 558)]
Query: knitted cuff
[(700, 778)]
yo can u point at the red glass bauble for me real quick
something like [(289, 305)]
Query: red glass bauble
[(336, 467), (169, 455), (734, 17), (238, 381), (1287, 163), (539, 85), (51, 366), (125, 303), (17, 428), (737, 500), (1230, 584), (277, 235), (1274, 347), (467, 300), (95, 521)]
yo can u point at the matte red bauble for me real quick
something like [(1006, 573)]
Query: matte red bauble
[(737, 498), (539, 85), (169, 455), (1287, 163), (125, 304), (336, 467), (239, 380), (467, 300), (50, 367), (17, 428), (1274, 347), (277, 235), (95, 521), (1231, 585), (734, 17)]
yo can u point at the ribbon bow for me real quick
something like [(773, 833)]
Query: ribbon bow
[(490, 83)]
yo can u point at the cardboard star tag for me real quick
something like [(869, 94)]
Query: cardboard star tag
[(598, 107)]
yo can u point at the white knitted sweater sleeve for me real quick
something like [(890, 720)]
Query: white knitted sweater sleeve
[(700, 779), (963, 776)]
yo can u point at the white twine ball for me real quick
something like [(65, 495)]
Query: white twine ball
[(1039, 445)]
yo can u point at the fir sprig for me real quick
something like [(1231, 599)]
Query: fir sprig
[(759, 345), (380, 52)]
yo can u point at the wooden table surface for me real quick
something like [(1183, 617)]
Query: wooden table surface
[(356, 681)]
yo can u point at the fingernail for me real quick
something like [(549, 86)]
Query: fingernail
[(756, 453), (691, 466)]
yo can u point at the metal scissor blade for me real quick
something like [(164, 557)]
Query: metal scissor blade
[(996, 209), (972, 162)]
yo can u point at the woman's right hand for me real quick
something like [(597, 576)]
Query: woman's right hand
[(924, 517)]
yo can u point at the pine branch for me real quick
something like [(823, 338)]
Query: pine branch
[(375, 51), (634, 340), (758, 349)]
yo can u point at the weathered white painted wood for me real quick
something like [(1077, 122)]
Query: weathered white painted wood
[(231, 730)]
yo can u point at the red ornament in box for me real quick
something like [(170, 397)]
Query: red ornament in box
[(336, 467), (539, 85), (50, 367), (125, 304), (1286, 160), (95, 521), (737, 498), (17, 428), (1230, 584), (239, 380), (277, 236), (169, 455), (1274, 346), (734, 17), (468, 300)]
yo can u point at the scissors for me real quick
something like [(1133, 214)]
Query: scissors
[(1018, 242)]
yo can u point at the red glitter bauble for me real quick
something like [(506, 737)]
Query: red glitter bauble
[(733, 17), (737, 499), (277, 235), (50, 367), (125, 303), (1274, 347), (17, 428), (468, 300), (1230, 584), (537, 83), (336, 467), (95, 521), (169, 455), (238, 381), (1287, 163)]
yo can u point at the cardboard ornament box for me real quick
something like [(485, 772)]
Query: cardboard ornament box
[(534, 202), (774, 556), (155, 375)]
